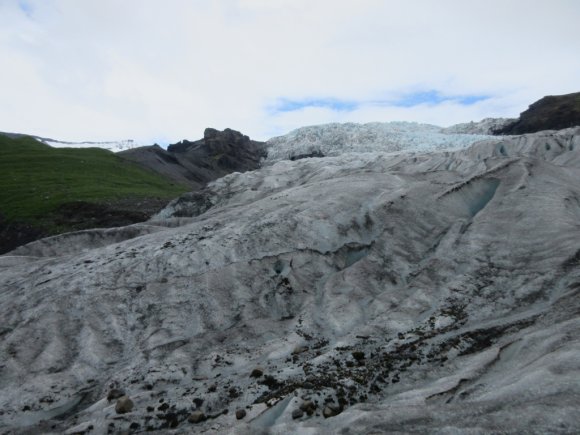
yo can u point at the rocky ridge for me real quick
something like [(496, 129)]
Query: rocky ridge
[(199, 162), (553, 112)]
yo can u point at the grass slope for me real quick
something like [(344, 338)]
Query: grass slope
[(36, 179)]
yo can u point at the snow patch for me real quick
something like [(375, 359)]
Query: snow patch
[(115, 146)]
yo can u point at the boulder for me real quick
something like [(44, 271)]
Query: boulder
[(115, 394), (196, 417), (308, 406), (297, 413), (330, 411), (257, 372), (124, 405)]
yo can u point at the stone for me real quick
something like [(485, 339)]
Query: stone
[(196, 417), (330, 411), (80, 429), (358, 355), (308, 406), (124, 405), (257, 372), (271, 382), (299, 349), (115, 394), (240, 413), (297, 413)]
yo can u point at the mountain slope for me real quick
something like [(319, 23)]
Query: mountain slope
[(50, 190), (196, 163), (553, 112), (407, 293), (114, 146)]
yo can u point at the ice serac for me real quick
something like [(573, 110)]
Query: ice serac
[(408, 292), (487, 126), (336, 139)]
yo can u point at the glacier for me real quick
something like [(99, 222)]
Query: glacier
[(426, 283), (339, 138)]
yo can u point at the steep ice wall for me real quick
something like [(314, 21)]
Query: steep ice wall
[(407, 293)]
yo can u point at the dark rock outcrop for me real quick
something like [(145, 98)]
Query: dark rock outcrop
[(197, 163), (14, 234), (307, 156), (78, 216), (549, 113)]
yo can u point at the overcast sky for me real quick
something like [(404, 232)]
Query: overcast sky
[(163, 70)]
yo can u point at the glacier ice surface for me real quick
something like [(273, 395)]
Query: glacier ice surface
[(419, 292)]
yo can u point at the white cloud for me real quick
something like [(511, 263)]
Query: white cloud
[(165, 70)]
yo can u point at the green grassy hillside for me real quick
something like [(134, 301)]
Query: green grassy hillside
[(35, 179)]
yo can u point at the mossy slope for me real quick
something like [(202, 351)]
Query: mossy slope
[(36, 181)]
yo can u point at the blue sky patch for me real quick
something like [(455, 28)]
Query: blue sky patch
[(288, 105), (433, 98), (25, 7)]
